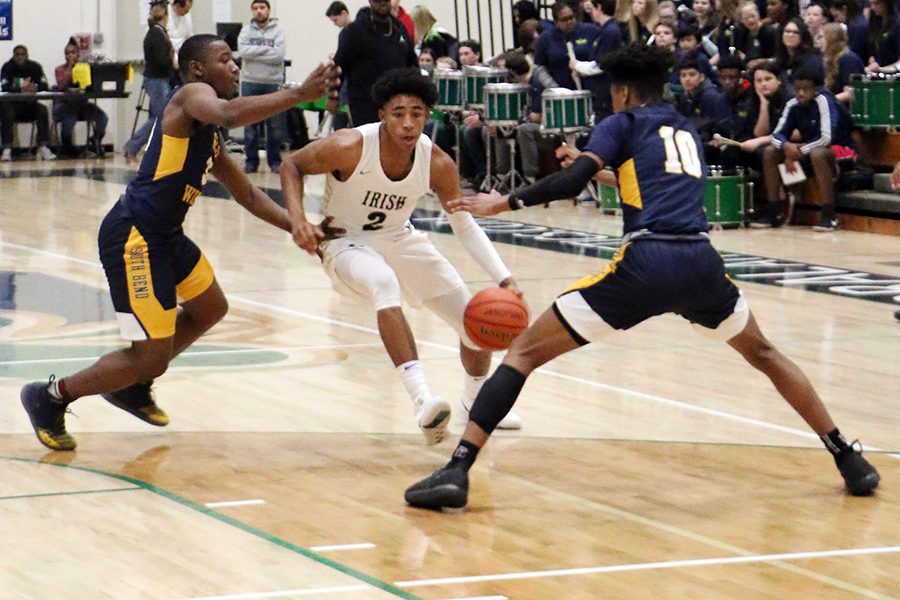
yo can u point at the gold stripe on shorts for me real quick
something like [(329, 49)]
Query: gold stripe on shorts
[(157, 321)]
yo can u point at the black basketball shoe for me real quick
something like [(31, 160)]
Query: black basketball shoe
[(860, 477), (448, 487), (47, 415), (138, 400)]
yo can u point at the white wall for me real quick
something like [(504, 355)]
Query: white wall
[(44, 26)]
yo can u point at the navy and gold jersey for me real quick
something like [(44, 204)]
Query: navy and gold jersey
[(170, 178), (661, 171)]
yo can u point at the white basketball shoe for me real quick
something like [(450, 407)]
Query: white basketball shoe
[(433, 415), (511, 421)]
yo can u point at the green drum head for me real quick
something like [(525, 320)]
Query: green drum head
[(723, 199)]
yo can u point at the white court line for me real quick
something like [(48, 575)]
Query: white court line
[(286, 593), (235, 503), (690, 407), (360, 546), (37, 361), (672, 564)]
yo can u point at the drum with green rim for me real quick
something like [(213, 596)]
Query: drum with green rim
[(506, 104), (565, 110), (876, 101), (450, 89), (724, 197), (476, 77)]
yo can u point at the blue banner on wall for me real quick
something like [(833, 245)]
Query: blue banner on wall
[(6, 30)]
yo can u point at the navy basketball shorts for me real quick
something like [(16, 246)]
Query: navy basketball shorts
[(149, 274), (651, 277)]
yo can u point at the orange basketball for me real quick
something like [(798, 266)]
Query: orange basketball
[(494, 317)]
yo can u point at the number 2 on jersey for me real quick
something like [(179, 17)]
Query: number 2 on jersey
[(681, 152), (375, 221)]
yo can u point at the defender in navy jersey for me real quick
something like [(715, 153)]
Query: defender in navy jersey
[(665, 265), (163, 289)]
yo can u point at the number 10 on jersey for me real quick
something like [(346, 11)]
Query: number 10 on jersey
[(681, 152)]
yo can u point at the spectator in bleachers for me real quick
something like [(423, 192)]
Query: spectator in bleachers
[(644, 17), (708, 17), (527, 36), (884, 38), (262, 47), (816, 18), (338, 13), (766, 105), (702, 103), (736, 91), (609, 39), (728, 24), (373, 44), (159, 68), (19, 74), (431, 35), (664, 37), (668, 13), (824, 132), (587, 11), (754, 40), (523, 10), (840, 62), (689, 47), (401, 15), (426, 62), (69, 111), (779, 12), (795, 50), (181, 23), (551, 56), (849, 13)]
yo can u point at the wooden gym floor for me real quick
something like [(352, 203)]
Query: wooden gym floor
[(657, 465)]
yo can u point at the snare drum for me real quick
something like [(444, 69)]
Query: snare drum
[(566, 110), (876, 101), (476, 78), (450, 89), (724, 197), (610, 201), (506, 104)]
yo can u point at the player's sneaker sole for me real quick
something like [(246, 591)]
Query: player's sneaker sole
[(859, 475), (138, 400), (434, 416), (445, 488)]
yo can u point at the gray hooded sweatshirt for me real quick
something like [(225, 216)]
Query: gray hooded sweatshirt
[(262, 52)]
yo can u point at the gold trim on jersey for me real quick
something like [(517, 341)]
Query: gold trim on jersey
[(156, 320), (589, 280), (628, 185), (172, 154), (199, 280)]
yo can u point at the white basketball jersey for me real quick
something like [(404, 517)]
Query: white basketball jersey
[(368, 202)]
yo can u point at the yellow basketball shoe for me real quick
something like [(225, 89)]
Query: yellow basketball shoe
[(138, 399), (47, 416)]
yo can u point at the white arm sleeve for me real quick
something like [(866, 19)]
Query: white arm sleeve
[(477, 244)]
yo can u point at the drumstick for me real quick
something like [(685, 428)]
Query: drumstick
[(724, 140), (571, 50)]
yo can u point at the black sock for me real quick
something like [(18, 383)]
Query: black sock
[(464, 456), (834, 441)]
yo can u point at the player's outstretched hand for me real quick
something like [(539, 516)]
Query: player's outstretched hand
[(482, 205), (316, 85), (510, 284)]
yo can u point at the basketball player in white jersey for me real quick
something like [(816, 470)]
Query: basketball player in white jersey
[(376, 173)]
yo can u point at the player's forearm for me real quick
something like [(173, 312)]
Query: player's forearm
[(261, 206), (567, 183), (475, 241), (247, 110), (292, 190)]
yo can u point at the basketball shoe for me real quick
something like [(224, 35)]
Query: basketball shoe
[(47, 416), (138, 400), (433, 415), (448, 487), (860, 477), (511, 421)]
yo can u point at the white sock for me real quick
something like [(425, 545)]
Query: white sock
[(413, 377), (471, 387)]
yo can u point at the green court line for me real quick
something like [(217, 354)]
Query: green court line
[(128, 489), (235, 523)]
